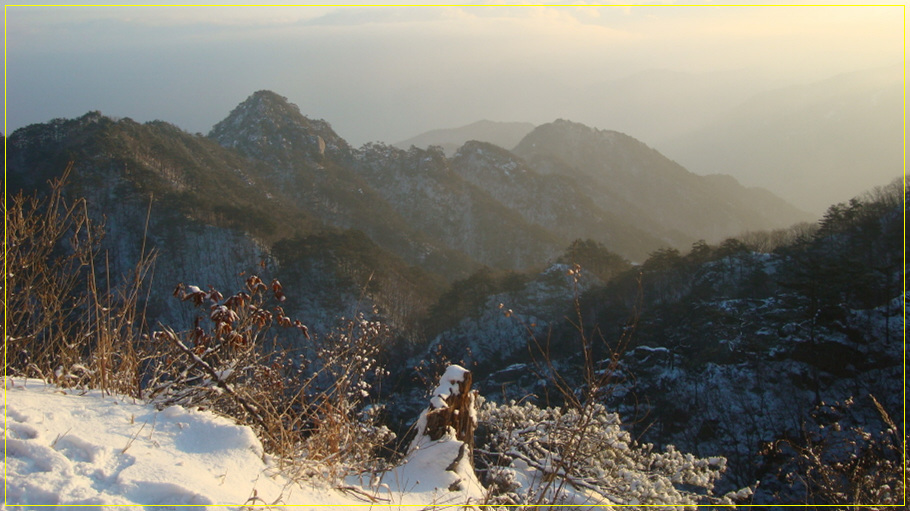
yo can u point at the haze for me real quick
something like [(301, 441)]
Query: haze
[(660, 73)]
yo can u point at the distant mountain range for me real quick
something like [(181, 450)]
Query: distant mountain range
[(503, 134), (813, 144), (818, 143), (379, 225)]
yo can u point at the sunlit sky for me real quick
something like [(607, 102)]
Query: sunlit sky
[(387, 73)]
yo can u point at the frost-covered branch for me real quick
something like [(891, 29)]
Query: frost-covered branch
[(218, 377), (536, 455)]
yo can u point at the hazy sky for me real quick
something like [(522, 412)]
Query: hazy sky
[(387, 73)]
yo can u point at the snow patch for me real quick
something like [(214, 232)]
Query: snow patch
[(77, 448)]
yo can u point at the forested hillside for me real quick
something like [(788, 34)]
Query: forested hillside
[(781, 350)]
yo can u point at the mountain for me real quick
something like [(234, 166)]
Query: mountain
[(421, 185), (726, 349), (315, 166), (268, 128), (211, 215), (790, 337), (558, 204), (205, 219), (771, 339), (642, 187), (270, 190), (817, 144), (503, 134)]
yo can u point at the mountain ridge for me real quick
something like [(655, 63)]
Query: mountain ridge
[(637, 178), (267, 173), (503, 134)]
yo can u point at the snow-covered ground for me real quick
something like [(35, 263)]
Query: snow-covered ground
[(68, 447)]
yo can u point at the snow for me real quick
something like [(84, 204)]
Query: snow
[(440, 471), (434, 473), (70, 447), (448, 385), (192, 290)]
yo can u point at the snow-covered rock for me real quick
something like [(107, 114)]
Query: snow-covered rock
[(440, 458)]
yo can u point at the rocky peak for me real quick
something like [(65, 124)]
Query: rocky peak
[(562, 136), (484, 157), (267, 126), (56, 130), (484, 149), (384, 165), (605, 155)]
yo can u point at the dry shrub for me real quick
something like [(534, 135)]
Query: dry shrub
[(62, 323), (346, 370), (248, 360), (68, 324), (836, 464)]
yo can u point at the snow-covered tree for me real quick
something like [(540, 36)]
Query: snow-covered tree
[(582, 456)]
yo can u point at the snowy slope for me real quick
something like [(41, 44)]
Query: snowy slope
[(66, 447)]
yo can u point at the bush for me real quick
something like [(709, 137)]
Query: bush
[(63, 323), (534, 456), (67, 326), (835, 463), (305, 401)]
